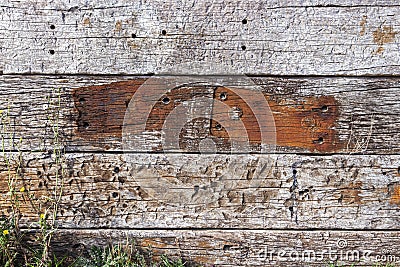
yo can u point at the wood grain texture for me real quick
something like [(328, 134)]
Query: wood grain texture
[(91, 109), (328, 70), (250, 248), (206, 191), (323, 37)]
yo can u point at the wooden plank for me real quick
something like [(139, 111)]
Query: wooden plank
[(324, 37), (352, 115), (208, 191), (249, 248)]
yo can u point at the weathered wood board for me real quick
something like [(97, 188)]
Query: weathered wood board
[(285, 191), (361, 116), (254, 247), (274, 37), (327, 70)]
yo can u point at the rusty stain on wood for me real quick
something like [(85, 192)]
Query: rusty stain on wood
[(244, 113), (362, 24), (118, 26), (101, 108), (172, 100), (395, 196), (308, 123), (382, 36), (351, 193), (86, 22), (303, 123), (358, 99), (153, 243)]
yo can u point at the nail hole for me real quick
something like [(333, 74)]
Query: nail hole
[(164, 32), (82, 100), (71, 197), (85, 124), (324, 108), (226, 247), (223, 96), (218, 126), (294, 172), (52, 27), (52, 51), (244, 21), (243, 47), (116, 169), (40, 184), (121, 180), (133, 35), (166, 100), (114, 194)]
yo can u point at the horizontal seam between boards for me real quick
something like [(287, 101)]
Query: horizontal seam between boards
[(225, 229), (365, 76)]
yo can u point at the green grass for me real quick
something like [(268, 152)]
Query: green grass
[(109, 256), (124, 256), (31, 246)]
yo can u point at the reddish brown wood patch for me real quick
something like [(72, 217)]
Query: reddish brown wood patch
[(395, 197), (306, 123), (101, 108), (300, 123)]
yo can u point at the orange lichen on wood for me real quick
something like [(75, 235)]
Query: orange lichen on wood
[(362, 24)]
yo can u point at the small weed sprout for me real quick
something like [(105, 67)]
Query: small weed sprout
[(15, 250), (31, 245)]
